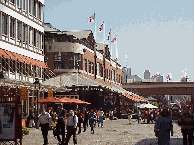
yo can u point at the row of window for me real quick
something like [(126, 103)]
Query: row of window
[(33, 7), (21, 68), (23, 33), (109, 74)]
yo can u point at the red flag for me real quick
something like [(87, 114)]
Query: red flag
[(108, 36), (114, 40), (90, 19), (101, 28), (168, 77)]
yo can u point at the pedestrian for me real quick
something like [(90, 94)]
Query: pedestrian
[(96, 113), (72, 121), (163, 126), (111, 114), (138, 116), (187, 127), (145, 114), (149, 118), (80, 119), (85, 122), (129, 113), (31, 118), (45, 122), (60, 126), (100, 115), (92, 117)]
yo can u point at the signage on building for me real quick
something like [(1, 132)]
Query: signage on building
[(7, 120), (50, 93), (23, 93)]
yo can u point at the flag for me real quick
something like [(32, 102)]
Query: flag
[(168, 77), (101, 28), (114, 40), (90, 19), (108, 36)]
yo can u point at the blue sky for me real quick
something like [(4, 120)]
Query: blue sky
[(155, 35)]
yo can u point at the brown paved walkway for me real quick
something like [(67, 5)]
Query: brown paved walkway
[(116, 132)]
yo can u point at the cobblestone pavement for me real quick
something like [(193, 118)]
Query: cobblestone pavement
[(116, 132)]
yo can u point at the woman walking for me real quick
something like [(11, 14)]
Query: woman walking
[(162, 127)]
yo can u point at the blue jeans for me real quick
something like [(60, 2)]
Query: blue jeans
[(91, 124), (100, 120)]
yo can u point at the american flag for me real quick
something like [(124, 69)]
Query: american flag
[(108, 36), (168, 77), (90, 19), (101, 28), (114, 40)]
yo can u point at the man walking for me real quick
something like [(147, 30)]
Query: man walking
[(86, 114), (60, 126), (100, 115), (129, 112), (71, 127), (92, 117), (45, 121)]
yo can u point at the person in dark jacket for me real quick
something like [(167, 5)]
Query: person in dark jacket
[(80, 119), (60, 126), (92, 117), (163, 127), (187, 127), (86, 114)]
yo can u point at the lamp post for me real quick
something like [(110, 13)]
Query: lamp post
[(37, 83), (2, 76)]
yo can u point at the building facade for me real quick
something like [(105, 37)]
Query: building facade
[(77, 51), (21, 38), (22, 46)]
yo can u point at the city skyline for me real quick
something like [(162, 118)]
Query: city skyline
[(157, 36)]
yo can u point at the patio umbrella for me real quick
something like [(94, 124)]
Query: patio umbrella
[(49, 100), (77, 101)]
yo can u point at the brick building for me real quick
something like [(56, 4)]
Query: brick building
[(76, 51)]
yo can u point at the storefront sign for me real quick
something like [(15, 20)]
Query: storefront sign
[(7, 120), (50, 93), (23, 93)]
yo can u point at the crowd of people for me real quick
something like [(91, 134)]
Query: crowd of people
[(67, 123), (74, 119)]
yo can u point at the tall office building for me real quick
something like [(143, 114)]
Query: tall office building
[(147, 74), (126, 74)]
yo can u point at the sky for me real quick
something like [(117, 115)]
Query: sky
[(157, 35)]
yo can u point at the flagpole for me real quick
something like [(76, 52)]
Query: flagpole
[(94, 27), (116, 48), (104, 30), (110, 45)]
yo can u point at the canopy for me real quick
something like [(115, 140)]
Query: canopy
[(147, 106), (49, 100), (61, 100), (77, 101)]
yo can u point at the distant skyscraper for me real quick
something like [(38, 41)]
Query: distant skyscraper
[(126, 74), (147, 74)]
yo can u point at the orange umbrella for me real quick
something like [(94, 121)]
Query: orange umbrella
[(77, 101), (49, 100)]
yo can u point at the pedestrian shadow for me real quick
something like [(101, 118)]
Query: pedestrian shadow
[(154, 141)]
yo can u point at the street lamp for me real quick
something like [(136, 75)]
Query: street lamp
[(2, 76), (37, 83)]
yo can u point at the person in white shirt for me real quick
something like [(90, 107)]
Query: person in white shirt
[(45, 121), (100, 115), (72, 121)]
